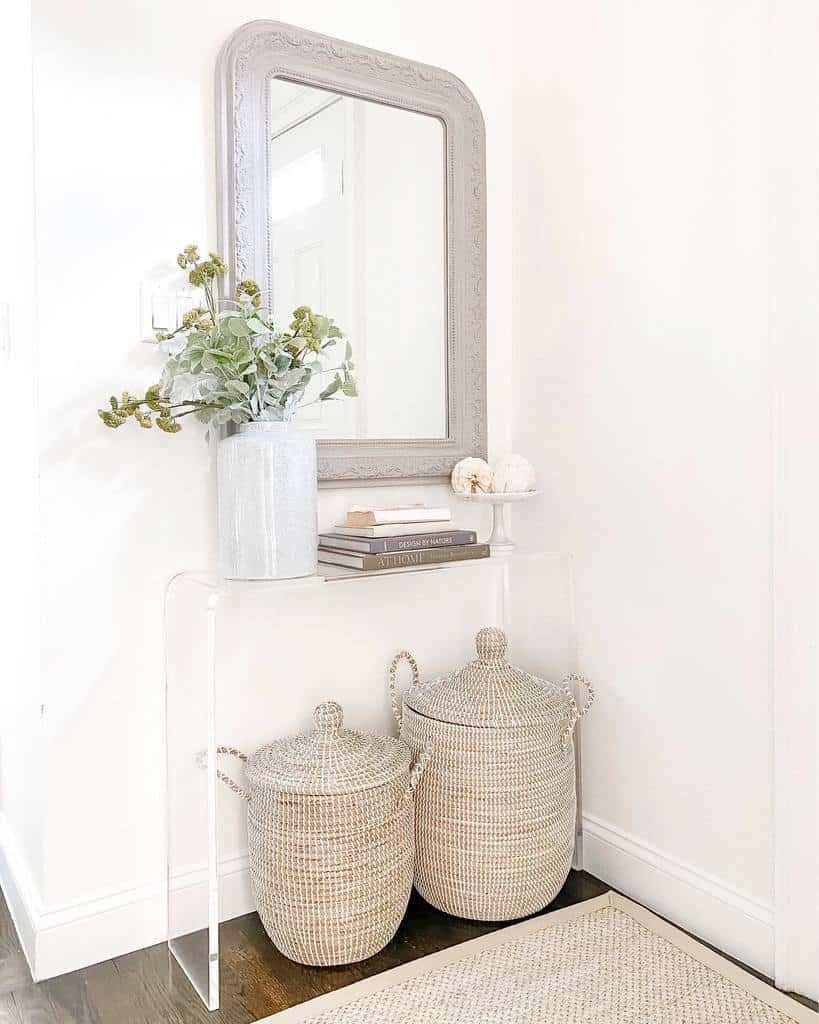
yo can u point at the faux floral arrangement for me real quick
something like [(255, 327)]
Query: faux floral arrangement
[(228, 363)]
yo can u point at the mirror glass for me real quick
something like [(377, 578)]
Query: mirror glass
[(357, 231)]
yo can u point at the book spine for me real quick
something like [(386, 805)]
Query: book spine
[(429, 540), (427, 556)]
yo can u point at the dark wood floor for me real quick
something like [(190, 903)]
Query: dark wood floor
[(145, 988)]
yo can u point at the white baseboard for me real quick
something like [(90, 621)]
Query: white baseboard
[(66, 939), (18, 889), (88, 933), (734, 922), (71, 937), (99, 929)]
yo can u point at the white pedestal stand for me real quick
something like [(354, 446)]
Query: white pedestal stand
[(499, 540)]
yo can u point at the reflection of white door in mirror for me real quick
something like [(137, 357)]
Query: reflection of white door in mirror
[(357, 231), (308, 241)]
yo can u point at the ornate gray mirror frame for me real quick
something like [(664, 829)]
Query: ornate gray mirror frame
[(262, 50)]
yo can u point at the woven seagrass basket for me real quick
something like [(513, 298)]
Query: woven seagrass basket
[(495, 811), (330, 838)]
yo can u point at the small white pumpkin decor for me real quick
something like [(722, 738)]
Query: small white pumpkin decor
[(510, 481), (512, 475), (472, 476)]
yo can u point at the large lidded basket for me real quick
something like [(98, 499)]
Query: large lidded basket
[(330, 838), (495, 811)]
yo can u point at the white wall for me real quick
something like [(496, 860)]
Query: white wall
[(646, 403), (629, 357), (647, 408), (20, 681)]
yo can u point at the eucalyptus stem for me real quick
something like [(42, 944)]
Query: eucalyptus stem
[(242, 365), (328, 369), (208, 290), (189, 412)]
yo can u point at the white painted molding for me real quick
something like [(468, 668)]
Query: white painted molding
[(70, 937), (733, 921), (793, 222), (82, 934), (76, 936), (189, 895), (67, 938), (19, 890)]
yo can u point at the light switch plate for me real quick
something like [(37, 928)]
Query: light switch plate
[(163, 301)]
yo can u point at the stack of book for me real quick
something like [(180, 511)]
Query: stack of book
[(396, 538)]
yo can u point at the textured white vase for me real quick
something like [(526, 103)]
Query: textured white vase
[(267, 502)]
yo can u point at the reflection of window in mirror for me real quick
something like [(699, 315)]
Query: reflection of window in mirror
[(297, 186), (357, 230)]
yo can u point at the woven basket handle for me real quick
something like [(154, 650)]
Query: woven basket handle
[(416, 771), (575, 713), (228, 781), (395, 696)]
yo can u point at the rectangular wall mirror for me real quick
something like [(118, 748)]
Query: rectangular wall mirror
[(353, 182)]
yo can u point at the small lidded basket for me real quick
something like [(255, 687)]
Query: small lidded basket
[(495, 812), (330, 838)]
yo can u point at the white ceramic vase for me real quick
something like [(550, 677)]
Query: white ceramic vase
[(267, 502)]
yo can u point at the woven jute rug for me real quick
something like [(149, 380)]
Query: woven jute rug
[(604, 961)]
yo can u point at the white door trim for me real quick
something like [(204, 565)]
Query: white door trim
[(792, 145)]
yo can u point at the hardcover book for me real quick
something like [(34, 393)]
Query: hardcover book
[(404, 559), (384, 545), (396, 514), (388, 530)]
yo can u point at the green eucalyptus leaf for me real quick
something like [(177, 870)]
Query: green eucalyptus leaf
[(238, 327), (331, 388), (349, 389)]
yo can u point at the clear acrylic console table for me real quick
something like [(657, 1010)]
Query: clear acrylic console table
[(246, 662)]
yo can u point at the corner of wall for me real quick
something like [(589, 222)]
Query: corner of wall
[(706, 906), (18, 888)]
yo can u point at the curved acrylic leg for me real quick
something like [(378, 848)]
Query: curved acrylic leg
[(192, 893)]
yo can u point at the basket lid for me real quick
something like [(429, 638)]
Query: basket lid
[(328, 760), (489, 691)]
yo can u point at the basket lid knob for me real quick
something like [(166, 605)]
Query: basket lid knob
[(328, 718), (490, 644)]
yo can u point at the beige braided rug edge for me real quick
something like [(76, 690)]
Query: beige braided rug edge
[(603, 961)]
